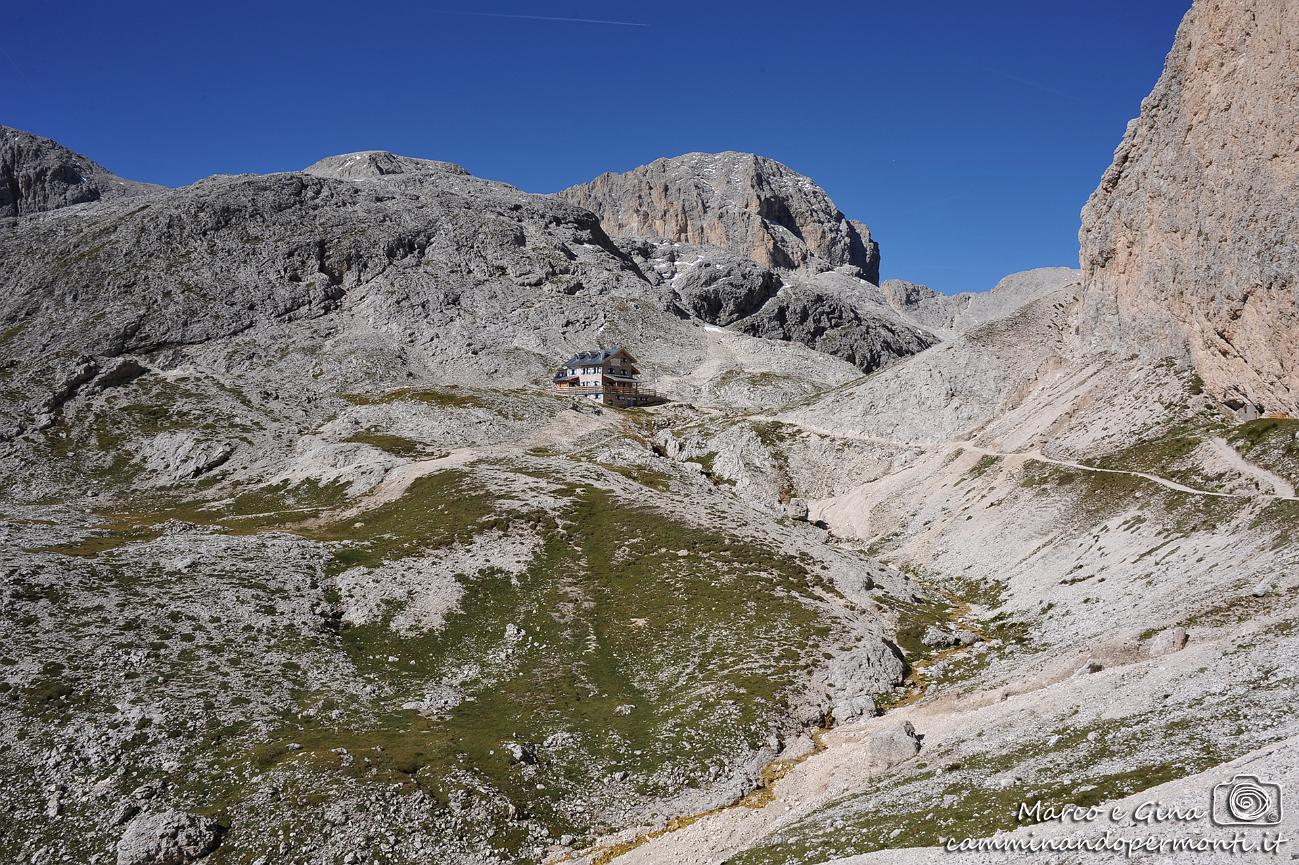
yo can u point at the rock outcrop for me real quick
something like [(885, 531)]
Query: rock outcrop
[(38, 174), (950, 314), (167, 838), (894, 743), (746, 204), (722, 288), (1190, 246), (837, 313)]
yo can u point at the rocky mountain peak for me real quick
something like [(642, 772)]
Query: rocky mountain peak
[(38, 174), (370, 164), (903, 293), (746, 204)]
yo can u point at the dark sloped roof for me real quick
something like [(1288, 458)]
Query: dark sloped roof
[(587, 358)]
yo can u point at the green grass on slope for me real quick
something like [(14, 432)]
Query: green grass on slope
[(398, 446), (1098, 496), (656, 664), (509, 404), (1268, 442), (437, 510), (1272, 443), (450, 396), (646, 477), (1169, 455), (143, 518)]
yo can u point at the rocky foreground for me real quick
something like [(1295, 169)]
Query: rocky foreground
[(304, 564)]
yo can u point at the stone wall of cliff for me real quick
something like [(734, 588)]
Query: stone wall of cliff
[(1190, 245)]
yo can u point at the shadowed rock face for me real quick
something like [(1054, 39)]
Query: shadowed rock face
[(1191, 243), (722, 289), (836, 313), (38, 174), (745, 204)]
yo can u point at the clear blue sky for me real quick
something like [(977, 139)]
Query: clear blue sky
[(967, 135)]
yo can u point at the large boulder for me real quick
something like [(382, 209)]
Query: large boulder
[(938, 638), (1168, 641), (167, 838), (895, 743), (182, 455), (852, 708)]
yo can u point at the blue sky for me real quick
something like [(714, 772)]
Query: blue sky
[(967, 135)]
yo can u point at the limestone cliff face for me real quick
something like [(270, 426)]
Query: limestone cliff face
[(1191, 243), (746, 204), (38, 174)]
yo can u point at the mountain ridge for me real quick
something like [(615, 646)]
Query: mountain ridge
[(308, 234), (39, 174)]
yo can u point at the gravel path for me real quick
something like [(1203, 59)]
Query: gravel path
[(1282, 489)]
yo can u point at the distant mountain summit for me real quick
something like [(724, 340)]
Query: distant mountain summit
[(949, 314), (38, 174), (370, 164), (740, 202)]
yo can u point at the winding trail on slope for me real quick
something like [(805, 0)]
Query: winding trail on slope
[(1282, 490), (1281, 487)]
